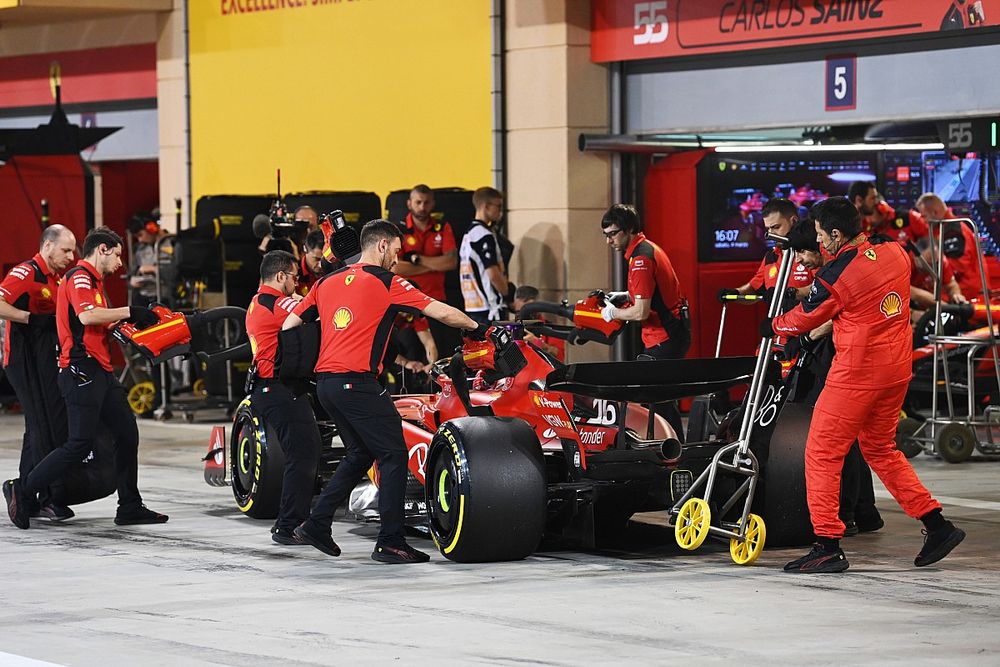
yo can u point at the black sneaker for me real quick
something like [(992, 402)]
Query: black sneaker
[(939, 543), (850, 529), (819, 560), (399, 555), (322, 542), (286, 537), (17, 509), (139, 516), (871, 525), (54, 512)]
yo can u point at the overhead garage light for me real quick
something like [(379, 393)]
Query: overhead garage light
[(813, 148)]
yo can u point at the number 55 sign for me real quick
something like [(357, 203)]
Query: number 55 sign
[(650, 23), (841, 83)]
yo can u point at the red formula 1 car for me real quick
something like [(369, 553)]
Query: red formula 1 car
[(498, 458)]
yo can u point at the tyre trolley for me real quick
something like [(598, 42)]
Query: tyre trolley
[(691, 516), (951, 436)]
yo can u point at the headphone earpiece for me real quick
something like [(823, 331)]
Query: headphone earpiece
[(152, 226)]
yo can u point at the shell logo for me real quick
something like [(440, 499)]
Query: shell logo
[(870, 254), (342, 318), (349, 279), (98, 299), (772, 272), (253, 345), (411, 241), (891, 305), (46, 293)]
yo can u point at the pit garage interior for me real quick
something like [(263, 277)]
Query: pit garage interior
[(697, 113)]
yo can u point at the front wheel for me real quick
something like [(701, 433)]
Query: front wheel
[(256, 464), (485, 489)]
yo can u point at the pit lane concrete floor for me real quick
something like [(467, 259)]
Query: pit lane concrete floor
[(209, 588)]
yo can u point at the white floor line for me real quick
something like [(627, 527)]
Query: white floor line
[(11, 660), (970, 503)]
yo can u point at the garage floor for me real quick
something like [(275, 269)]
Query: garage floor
[(209, 588)]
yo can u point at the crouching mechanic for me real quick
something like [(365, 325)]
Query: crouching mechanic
[(94, 396), (863, 290), (356, 307), (290, 415)]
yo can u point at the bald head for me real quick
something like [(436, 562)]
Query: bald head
[(57, 247)]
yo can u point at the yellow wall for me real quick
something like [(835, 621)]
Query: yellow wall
[(371, 95)]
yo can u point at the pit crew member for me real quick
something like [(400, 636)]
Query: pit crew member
[(93, 394), (429, 252), (960, 250), (30, 345), (654, 294), (779, 216), (863, 290), (278, 405), (356, 307)]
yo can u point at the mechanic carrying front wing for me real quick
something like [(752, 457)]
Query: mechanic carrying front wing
[(278, 405), (93, 394), (356, 307), (863, 290)]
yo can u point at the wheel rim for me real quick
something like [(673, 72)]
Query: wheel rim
[(692, 524), (141, 396), (199, 387), (242, 460), (443, 491), (746, 551)]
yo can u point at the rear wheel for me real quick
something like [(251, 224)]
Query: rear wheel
[(783, 506), (955, 442), (485, 489), (904, 437), (256, 464)]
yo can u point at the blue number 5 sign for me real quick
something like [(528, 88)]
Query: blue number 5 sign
[(841, 83)]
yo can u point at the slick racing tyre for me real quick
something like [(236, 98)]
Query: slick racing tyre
[(485, 489), (784, 504), (256, 464)]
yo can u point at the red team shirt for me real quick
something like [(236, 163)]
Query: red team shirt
[(29, 286), (651, 276), (434, 241), (265, 315), (357, 308), (907, 226), (82, 289), (767, 275)]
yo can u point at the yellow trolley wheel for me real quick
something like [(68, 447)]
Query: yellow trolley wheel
[(747, 550), (198, 388), (692, 524), (141, 396)]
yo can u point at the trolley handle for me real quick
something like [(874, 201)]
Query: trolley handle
[(741, 298)]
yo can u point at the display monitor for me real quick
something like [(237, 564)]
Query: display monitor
[(733, 188), (953, 179)]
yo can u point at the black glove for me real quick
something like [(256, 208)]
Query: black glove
[(511, 289), (791, 295), (795, 346), (765, 329), (727, 291), (412, 257), (142, 318), (479, 333), (41, 321)]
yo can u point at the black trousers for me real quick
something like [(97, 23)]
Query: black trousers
[(446, 338), (675, 348), (295, 424), (371, 430), (33, 374), (94, 397), (857, 494)]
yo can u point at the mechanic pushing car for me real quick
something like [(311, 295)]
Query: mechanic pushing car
[(863, 290), (654, 294), (93, 394), (356, 308), (779, 216), (28, 303), (281, 406)]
